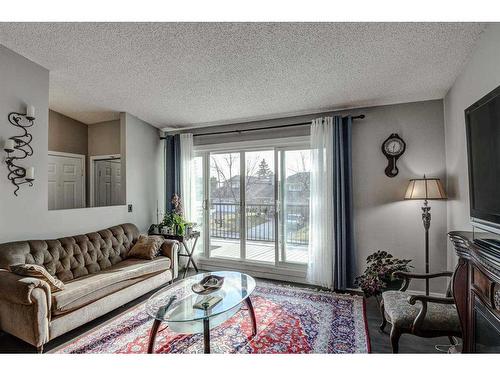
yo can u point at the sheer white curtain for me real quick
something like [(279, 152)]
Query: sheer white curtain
[(186, 174), (321, 228)]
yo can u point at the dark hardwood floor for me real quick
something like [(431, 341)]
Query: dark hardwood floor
[(379, 341)]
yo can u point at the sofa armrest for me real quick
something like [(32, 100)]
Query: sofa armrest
[(19, 289), (25, 304), (170, 249)]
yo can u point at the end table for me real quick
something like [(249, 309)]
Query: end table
[(188, 243)]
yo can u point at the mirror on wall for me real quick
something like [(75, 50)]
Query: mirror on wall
[(84, 163)]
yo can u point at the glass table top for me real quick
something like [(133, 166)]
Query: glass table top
[(174, 303)]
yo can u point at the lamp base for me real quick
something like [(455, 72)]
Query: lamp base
[(426, 220)]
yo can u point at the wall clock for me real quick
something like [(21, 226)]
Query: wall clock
[(393, 147)]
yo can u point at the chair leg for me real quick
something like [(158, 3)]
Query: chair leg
[(384, 320), (39, 349), (395, 335)]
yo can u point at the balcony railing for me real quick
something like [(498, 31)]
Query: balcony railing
[(260, 223)]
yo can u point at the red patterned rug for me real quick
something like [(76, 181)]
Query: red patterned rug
[(289, 320)]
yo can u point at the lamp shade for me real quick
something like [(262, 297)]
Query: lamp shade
[(425, 188)]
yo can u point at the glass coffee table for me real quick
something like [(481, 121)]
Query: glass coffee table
[(173, 305)]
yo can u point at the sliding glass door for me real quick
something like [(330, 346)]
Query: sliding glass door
[(295, 191), (225, 206), (260, 206), (256, 206)]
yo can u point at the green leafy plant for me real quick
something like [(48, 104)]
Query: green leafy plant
[(179, 224), (378, 273), (167, 220), (176, 222)]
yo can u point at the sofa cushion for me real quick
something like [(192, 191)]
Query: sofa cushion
[(82, 291), (146, 247), (73, 257), (439, 317), (38, 272)]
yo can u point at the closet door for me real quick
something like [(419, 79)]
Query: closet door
[(103, 178)]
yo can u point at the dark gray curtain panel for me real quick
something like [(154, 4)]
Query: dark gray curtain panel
[(172, 168), (344, 272)]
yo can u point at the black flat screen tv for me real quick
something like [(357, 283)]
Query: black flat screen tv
[(482, 121)]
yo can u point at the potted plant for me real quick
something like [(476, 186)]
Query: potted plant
[(179, 224), (174, 223), (378, 277)]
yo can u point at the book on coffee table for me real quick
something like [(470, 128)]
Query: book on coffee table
[(207, 302)]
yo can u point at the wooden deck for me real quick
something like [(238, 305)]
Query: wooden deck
[(255, 250)]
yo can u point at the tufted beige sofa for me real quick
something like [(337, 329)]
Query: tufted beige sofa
[(97, 275)]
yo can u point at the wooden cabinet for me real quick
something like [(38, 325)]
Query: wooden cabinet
[(476, 289)]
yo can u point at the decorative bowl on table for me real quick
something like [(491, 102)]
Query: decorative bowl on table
[(208, 284)]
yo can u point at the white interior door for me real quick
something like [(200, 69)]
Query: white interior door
[(102, 170), (107, 183), (116, 182), (66, 182)]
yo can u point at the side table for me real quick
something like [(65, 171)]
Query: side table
[(188, 243)]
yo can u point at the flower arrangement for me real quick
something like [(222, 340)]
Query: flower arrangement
[(378, 273)]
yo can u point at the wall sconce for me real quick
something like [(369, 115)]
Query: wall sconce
[(18, 148)]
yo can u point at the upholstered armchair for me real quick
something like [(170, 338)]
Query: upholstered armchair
[(419, 315)]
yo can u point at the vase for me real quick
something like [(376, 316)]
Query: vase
[(179, 230)]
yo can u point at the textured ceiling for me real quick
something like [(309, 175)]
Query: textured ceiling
[(185, 74)]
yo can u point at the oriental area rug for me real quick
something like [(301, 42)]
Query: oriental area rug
[(289, 320)]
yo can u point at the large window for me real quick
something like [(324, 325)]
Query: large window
[(256, 204)]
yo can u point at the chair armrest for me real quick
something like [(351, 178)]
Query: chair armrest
[(407, 276), (170, 249), (417, 323), (422, 275), (19, 289), (425, 299)]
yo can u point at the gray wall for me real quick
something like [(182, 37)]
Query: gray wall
[(144, 169), (27, 216), (67, 134), (104, 138), (480, 76), (383, 220)]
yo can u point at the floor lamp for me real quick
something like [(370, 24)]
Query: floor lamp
[(426, 189)]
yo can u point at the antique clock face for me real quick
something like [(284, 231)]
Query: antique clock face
[(393, 147)]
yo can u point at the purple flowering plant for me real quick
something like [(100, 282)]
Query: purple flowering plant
[(378, 273)]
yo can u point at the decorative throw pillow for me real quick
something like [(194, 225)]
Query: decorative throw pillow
[(146, 247), (39, 272)]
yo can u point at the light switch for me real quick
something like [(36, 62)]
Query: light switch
[(129, 208)]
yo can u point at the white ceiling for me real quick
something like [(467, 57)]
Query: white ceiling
[(195, 74)]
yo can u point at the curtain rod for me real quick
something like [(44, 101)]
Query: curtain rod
[(264, 128)]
